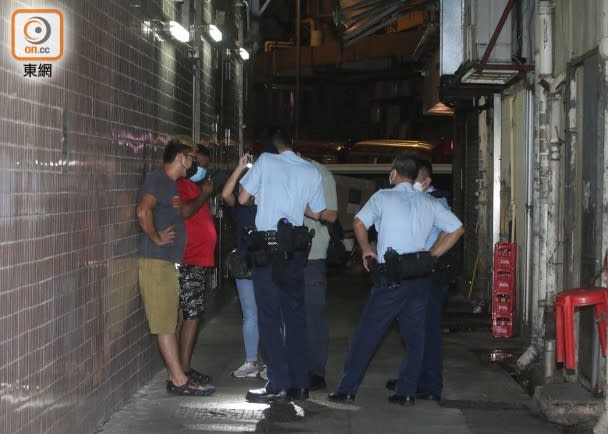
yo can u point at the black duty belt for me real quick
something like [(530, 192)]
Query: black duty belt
[(266, 246), (401, 267)]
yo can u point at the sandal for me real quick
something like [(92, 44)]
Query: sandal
[(199, 377), (191, 388)]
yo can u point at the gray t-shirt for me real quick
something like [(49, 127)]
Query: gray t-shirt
[(164, 189)]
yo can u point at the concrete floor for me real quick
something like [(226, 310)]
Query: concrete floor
[(479, 396)]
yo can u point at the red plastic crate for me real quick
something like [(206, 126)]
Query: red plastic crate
[(503, 282), (502, 327), (502, 304), (505, 256)]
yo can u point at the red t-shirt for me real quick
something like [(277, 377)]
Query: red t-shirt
[(201, 235)]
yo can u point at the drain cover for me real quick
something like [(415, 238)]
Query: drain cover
[(220, 413)]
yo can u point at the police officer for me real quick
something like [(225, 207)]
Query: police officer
[(430, 383), (401, 270), (285, 187)]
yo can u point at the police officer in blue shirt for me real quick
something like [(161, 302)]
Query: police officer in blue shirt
[(401, 270), (430, 383), (285, 187)]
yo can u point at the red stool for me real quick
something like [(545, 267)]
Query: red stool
[(565, 303)]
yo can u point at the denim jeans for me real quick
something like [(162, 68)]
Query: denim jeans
[(315, 287), (249, 308)]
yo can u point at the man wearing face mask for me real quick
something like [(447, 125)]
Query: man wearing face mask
[(161, 217), (430, 383), (401, 271), (198, 260)]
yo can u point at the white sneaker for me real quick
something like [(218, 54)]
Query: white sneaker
[(264, 373), (247, 369)]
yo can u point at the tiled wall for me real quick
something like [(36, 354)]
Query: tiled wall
[(74, 148)]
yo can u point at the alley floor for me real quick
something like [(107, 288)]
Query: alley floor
[(479, 397)]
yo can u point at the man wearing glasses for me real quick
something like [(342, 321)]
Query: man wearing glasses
[(161, 217)]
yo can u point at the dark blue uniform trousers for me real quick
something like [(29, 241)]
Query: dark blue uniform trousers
[(407, 303), (282, 323), (315, 288), (431, 377)]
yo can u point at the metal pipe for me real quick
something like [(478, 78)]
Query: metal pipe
[(496, 157), (264, 6), (602, 424), (529, 203), (196, 74), (541, 187), (545, 56), (241, 84)]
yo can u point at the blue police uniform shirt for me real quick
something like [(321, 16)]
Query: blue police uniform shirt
[(435, 231), (283, 184), (404, 218)]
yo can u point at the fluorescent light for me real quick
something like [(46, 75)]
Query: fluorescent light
[(244, 54), (215, 33), (178, 32)]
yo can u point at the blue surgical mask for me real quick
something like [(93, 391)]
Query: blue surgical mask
[(199, 175)]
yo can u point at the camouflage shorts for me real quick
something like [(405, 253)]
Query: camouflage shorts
[(193, 286)]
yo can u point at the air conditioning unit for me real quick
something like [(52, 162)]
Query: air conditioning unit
[(466, 29)]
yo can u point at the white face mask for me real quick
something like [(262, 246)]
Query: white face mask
[(418, 186)]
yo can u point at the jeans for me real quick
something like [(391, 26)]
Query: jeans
[(249, 308), (315, 287), (407, 302)]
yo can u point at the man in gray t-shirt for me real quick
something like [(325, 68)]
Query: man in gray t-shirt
[(161, 217), (164, 189)]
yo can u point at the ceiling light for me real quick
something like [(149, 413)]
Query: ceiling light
[(244, 54), (440, 109), (215, 33), (178, 32)]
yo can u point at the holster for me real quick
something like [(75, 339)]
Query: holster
[(267, 247)]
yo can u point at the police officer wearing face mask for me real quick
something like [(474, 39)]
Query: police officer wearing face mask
[(430, 383), (198, 261), (401, 270)]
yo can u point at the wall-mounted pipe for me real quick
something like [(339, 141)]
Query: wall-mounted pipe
[(269, 45), (544, 237), (545, 54), (602, 424)]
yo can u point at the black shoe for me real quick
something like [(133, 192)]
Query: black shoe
[(265, 396), (317, 382), (297, 394), (428, 396), (402, 399), (390, 384), (348, 398)]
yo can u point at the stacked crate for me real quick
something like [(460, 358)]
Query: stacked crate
[(503, 289)]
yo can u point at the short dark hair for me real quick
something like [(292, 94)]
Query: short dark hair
[(406, 165), (425, 168), (276, 139), (173, 149), (203, 150)]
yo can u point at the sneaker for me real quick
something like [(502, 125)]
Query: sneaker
[(247, 370), (264, 373)]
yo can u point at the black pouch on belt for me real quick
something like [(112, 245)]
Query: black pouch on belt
[(415, 265)]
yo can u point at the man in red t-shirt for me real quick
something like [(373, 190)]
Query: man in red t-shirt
[(198, 261)]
